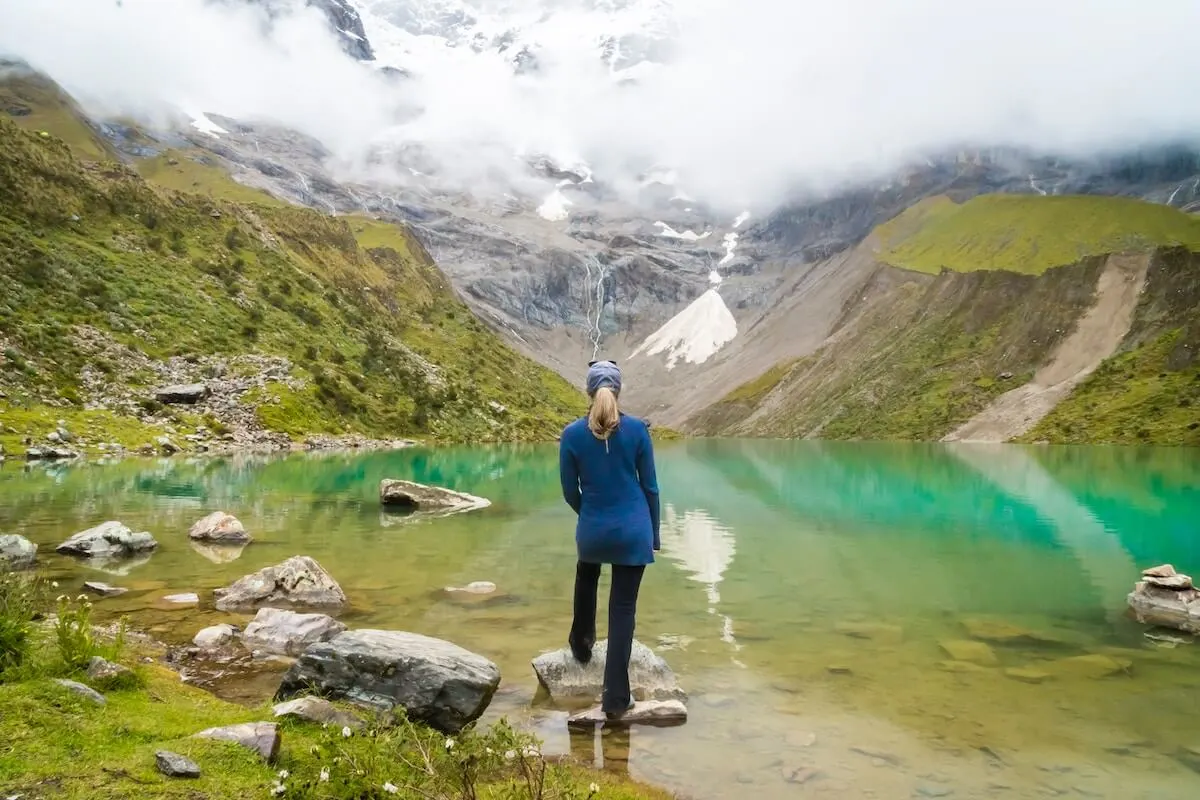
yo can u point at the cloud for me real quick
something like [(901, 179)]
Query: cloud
[(754, 99)]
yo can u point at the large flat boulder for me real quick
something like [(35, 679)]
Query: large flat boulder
[(299, 581), (434, 681), (398, 494), (261, 737), (656, 713), (219, 528), (16, 552), (183, 393), (1166, 598), (277, 630), (108, 540), (565, 678)]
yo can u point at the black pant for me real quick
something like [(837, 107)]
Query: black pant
[(622, 608)]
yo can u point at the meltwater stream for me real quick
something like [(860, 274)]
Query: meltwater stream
[(808, 594)]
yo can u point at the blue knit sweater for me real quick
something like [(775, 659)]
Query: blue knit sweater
[(612, 486)]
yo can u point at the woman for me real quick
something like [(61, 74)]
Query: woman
[(606, 464)]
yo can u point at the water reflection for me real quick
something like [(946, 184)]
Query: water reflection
[(701, 546)]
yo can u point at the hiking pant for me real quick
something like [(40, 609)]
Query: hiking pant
[(622, 608)]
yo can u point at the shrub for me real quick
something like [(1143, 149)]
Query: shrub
[(73, 632), (21, 598)]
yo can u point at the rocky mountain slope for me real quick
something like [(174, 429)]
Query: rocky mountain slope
[(718, 319), (295, 322)]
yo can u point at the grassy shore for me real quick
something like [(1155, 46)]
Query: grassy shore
[(55, 743)]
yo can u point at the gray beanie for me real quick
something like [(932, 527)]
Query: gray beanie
[(601, 374)]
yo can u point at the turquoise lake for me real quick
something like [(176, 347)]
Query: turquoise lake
[(811, 597)]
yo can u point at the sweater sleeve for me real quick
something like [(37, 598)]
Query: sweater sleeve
[(568, 474), (649, 481)]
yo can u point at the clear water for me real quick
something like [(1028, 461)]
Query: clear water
[(803, 594)]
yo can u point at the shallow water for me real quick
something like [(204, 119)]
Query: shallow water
[(803, 595)]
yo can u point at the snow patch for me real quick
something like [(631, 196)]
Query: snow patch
[(715, 278), (671, 233), (554, 207), (205, 125), (741, 218), (693, 334), (730, 242)]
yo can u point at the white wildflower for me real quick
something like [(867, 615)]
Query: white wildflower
[(61, 597), (278, 789), (488, 750), (593, 788), (53, 584), (82, 598), (391, 788), (324, 774), (449, 744), (283, 773), (346, 732), (532, 752)]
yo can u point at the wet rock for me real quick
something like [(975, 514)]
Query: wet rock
[(174, 765), (649, 675), (1003, 632), (928, 790), (800, 739), (474, 587), (399, 494), (960, 667), (276, 630), (184, 393), (261, 737), (1094, 665), (108, 540), (318, 710), (436, 682), (185, 599), (103, 589), (166, 446), (1027, 674), (214, 637), (973, 652), (105, 672), (219, 528), (49, 454), (299, 581), (16, 552), (1166, 599), (86, 692), (839, 669), (881, 756), (658, 713)]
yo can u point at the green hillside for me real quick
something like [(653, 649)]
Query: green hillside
[(108, 278), (1028, 233)]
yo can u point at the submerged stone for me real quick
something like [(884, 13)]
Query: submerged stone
[(1094, 665), (960, 666), (1027, 674), (966, 650), (103, 589), (563, 677), (877, 631)]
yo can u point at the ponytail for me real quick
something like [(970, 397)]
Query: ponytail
[(604, 415)]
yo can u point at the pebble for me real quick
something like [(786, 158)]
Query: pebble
[(800, 739), (839, 669), (933, 791), (799, 775)]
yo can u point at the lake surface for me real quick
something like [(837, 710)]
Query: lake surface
[(804, 594)]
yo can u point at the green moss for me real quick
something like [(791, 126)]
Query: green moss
[(380, 343), (101, 426), (1133, 398), (752, 391), (1029, 234)]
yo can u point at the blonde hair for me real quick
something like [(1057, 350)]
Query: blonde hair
[(605, 414)]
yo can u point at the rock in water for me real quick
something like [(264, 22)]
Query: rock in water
[(215, 637), (103, 589), (1167, 599), (16, 552), (418, 496), (660, 713), (186, 393), (969, 651), (564, 677), (276, 630), (49, 454), (108, 540), (318, 710), (436, 682), (298, 581), (174, 765), (220, 528), (261, 737)]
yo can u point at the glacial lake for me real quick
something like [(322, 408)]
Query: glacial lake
[(806, 595)]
